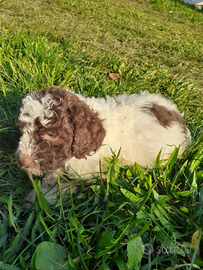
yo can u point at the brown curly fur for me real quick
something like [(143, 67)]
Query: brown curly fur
[(74, 130)]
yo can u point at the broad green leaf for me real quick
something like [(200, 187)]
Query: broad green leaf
[(95, 188), (184, 209), (140, 191), (50, 256), (108, 160), (156, 195), (131, 197), (135, 253), (185, 193)]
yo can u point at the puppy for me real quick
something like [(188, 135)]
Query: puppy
[(62, 131)]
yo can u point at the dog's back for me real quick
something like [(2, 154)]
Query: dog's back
[(141, 125)]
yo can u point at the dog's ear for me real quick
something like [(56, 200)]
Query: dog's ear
[(88, 131), (61, 96)]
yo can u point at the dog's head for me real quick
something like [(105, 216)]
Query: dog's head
[(55, 126)]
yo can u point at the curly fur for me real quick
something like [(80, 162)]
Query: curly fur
[(62, 130), (55, 129)]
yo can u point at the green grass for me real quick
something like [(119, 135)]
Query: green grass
[(151, 33), (155, 46)]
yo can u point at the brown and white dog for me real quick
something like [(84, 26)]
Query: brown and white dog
[(61, 130)]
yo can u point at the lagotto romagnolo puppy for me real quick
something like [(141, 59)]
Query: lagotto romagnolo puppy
[(61, 130)]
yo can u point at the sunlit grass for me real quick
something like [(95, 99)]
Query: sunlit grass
[(154, 46), (157, 34)]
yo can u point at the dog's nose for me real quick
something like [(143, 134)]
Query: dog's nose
[(25, 162)]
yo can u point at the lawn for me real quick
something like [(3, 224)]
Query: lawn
[(136, 218)]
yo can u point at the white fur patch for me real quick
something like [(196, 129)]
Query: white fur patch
[(28, 148), (33, 108)]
